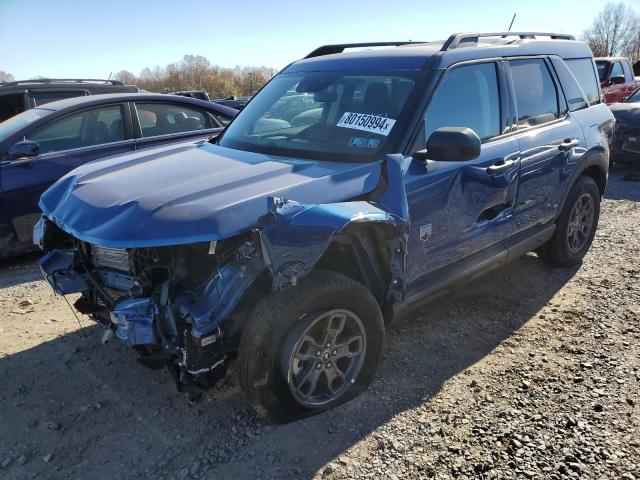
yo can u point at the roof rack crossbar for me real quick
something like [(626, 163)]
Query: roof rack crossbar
[(70, 80), (339, 48), (455, 40)]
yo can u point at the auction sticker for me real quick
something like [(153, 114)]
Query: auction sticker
[(366, 123)]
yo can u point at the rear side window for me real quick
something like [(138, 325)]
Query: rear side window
[(467, 96), (536, 94), (40, 98), (11, 105), (165, 119), (602, 70), (584, 72), (572, 91)]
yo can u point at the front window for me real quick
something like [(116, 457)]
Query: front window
[(88, 128), (468, 96), (322, 114), (616, 70), (602, 70)]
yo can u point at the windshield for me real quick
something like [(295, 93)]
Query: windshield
[(635, 97), (15, 124), (322, 114), (602, 70)]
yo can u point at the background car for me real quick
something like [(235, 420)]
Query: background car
[(16, 97), (617, 80), (234, 102), (199, 94), (626, 146), (39, 146)]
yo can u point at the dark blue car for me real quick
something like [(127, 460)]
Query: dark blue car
[(42, 144), (293, 239)]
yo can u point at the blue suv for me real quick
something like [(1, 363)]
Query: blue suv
[(352, 186)]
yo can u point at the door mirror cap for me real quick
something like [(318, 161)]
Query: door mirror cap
[(451, 144), (24, 149), (618, 80)]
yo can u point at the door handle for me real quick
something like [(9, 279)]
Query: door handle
[(500, 167), (4, 162), (568, 144)]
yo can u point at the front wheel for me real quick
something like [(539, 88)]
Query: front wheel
[(576, 225), (310, 348)]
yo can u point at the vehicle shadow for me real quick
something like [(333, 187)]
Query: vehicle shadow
[(103, 415)]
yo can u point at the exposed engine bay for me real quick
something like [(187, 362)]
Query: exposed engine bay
[(165, 301)]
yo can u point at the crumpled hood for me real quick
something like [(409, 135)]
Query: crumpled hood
[(191, 192)]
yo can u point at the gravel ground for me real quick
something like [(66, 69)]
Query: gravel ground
[(529, 372)]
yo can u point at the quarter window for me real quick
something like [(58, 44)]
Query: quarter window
[(572, 91), (584, 72), (467, 96), (536, 95), (91, 127), (40, 98), (165, 119)]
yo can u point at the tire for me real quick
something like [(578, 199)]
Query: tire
[(275, 353), (561, 250)]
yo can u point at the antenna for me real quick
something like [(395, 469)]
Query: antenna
[(512, 20)]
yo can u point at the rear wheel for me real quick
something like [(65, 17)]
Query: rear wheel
[(310, 348), (576, 225)]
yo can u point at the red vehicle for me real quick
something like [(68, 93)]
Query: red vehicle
[(616, 78)]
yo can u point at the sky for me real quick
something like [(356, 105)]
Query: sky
[(93, 39)]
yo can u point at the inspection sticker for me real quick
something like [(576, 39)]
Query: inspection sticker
[(366, 123)]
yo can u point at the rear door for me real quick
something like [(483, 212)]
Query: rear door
[(65, 143), (550, 141), (157, 123), (459, 209)]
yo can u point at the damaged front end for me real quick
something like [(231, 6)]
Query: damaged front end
[(167, 302), (183, 306)]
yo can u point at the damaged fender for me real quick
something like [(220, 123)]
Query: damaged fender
[(294, 236)]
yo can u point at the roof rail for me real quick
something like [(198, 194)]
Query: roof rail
[(458, 39), (64, 80), (339, 48)]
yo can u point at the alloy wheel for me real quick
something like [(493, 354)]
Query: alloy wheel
[(326, 358)]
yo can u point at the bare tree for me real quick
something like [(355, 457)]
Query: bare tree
[(613, 31), (126, 77), (6, 77)]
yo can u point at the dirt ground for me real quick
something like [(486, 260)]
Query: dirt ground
[(529, 372)]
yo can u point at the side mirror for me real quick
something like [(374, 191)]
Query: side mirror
[(24, 149), (617, 80), (451, 144)]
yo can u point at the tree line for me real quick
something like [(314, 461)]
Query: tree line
[(195, 72)]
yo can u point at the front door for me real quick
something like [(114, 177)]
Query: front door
[(458, 209), (65, 144)]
